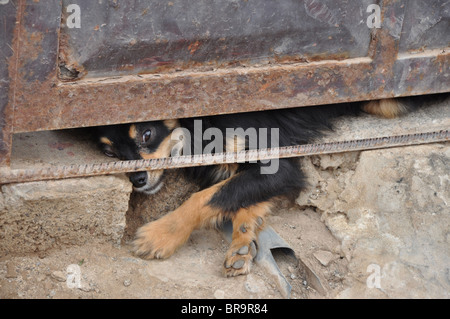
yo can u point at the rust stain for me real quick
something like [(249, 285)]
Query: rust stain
[(69, 70), (291, 59), (264, 86), (34, 40), (194, 47)]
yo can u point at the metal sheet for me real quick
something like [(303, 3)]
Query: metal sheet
[(130, 37), (7, 25), (146, 60), (426, 25)]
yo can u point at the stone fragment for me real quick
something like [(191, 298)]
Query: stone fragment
[(59, 276), (11, 270), (324, 257)]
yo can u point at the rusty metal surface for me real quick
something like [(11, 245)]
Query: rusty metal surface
[(131, 37), (426, 25), (147, 60), (7, 25)]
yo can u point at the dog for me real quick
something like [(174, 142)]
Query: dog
[(239, 192)]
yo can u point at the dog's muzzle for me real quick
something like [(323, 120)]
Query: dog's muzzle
[(142, 183), (139, 179)]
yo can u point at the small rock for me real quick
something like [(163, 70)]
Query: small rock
[(85, 288), (59, 276), (324, 257), (127, 282), (219, 294), (42, 254), (11, 270)]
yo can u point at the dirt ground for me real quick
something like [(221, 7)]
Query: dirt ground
[(100, 270)]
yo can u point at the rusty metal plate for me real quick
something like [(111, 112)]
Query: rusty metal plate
[(426, 25), (131, 37), (147, 60), (7, 25)]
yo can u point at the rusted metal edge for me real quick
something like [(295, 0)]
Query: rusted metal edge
[(190, 94), (8, 176), (9, 64)]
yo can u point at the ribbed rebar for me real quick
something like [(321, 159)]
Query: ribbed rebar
[(54, 172)]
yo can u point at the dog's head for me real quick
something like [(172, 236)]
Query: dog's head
[(146, 140)]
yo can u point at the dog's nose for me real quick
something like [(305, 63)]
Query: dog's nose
[(139, 179)]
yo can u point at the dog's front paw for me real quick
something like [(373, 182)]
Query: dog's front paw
[(158, 239), (238, 260)]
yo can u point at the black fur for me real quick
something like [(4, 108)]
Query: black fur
[(248, 186)]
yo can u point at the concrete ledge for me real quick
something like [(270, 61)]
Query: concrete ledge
[(41, 215)]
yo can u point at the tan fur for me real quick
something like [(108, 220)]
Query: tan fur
[(225, 171), (132, 132), (171, 124), (387, 108), (160, 239), (235, 144), (106, 141), (230, 168), (163, 150), (245, 231)]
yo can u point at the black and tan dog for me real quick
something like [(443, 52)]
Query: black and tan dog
[(239, 192)]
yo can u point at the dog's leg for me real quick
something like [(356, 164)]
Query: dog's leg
[(246, 199), (160, 239), (243, 198), (247, 222)]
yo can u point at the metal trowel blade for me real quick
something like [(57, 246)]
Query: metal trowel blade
[(268, 241)]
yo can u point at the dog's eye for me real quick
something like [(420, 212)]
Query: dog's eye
[(109, 153), (146, 136)]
